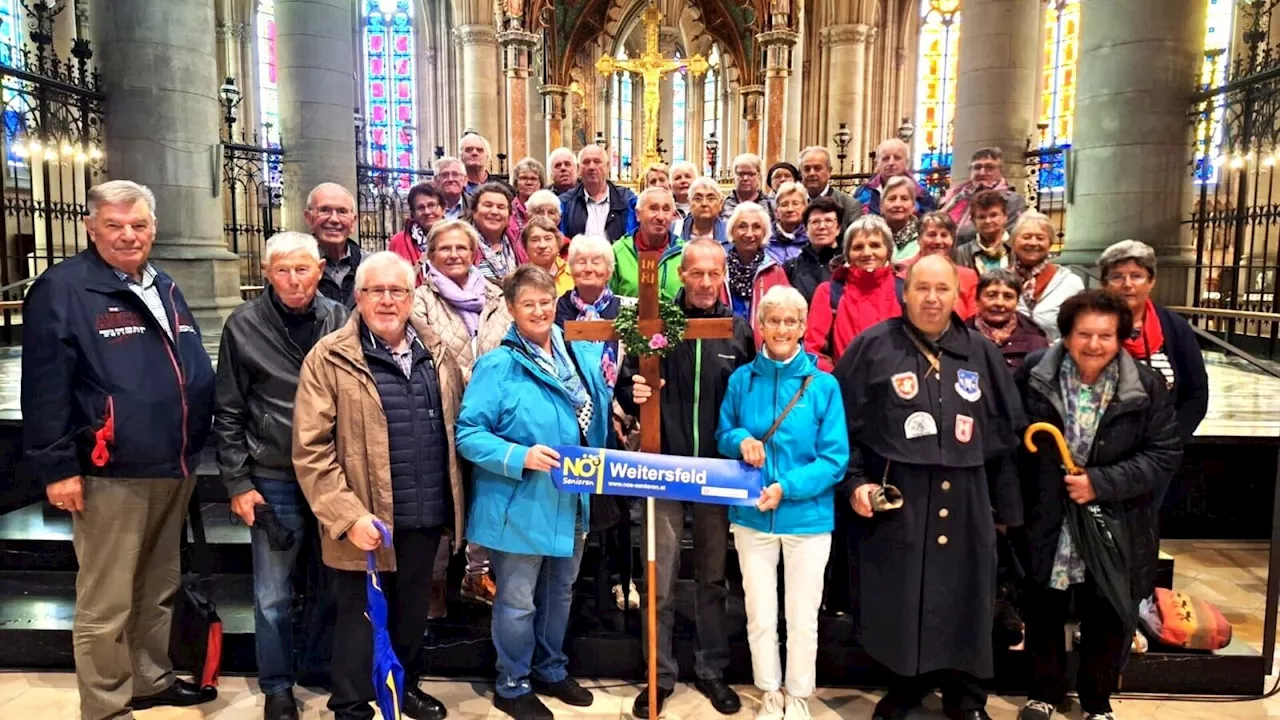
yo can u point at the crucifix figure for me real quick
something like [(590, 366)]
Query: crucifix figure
[(649, 323), (651, 66)]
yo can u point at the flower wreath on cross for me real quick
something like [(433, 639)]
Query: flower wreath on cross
[(627, 326)]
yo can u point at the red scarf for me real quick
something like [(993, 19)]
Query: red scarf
[(1149, 339)]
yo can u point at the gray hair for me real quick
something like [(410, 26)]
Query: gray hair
[(1032, 217), (591, 246), (704, 181), (826, 154), (543, 197), (684, 165), (589, 147), (386, 259), (641, 199), (897, 181), (120, 192), (439, 165), (895, 143), (526, 277), (868, 225), (488, 149), (783, 298), (748, 159), (739, 216), (1125, 251), (530, 165), (1000, 276), (311, 196), (551, 158), (701, 244), (455, 225), (288, 243), (791, 188)]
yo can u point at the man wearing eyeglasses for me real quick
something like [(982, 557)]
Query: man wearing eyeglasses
[(986, 172), (747, 172), (451, 180), (373, 442), (331, 215)]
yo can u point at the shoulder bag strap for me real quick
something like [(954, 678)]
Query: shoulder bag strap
[(201, 556), (787, 410)]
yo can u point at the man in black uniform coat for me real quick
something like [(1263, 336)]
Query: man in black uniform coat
[(933, 411)]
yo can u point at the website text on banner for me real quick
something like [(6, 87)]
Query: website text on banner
[(665, 477)]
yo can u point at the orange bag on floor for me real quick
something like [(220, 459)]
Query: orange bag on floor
[(1179, 620)]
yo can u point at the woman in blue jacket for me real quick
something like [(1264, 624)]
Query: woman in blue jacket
[(534, 391), (784, 416)]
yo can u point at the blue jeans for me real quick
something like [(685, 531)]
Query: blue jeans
[(530, 616)]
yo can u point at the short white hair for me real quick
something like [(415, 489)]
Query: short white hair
[(439, 165), (591, 246), (826, 154), (1033, 217), (791, 187), (704, 181), (589, 147), (551, 158), (684, 166), (120, 192), (382, 260), (643, 197), (488, 149), (455, 225), (739, 215), (311, 196), (288, 243), (751, 159), (543, 197), (867, 225), (894, 142), (783, 298)]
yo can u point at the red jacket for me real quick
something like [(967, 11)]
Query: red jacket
[(768, 275), (867, 298), (404, 246), (967, 299)]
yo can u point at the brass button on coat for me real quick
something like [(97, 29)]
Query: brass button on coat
[(942, 539), (943, 512), (946, 485)]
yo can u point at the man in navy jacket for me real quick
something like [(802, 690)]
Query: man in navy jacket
[(117, 400), (597, 206)]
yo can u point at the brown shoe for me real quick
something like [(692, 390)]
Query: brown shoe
[(479, 588), (439, 604)]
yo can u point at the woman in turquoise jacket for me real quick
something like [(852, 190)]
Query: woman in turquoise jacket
[(533, 392), (801, 460)]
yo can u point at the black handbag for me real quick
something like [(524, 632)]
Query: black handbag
[(195, 641)]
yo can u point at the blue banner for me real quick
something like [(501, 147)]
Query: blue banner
[(665, 477)]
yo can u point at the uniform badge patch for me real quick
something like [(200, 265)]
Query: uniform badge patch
[(906, 385), (964, 428), (920, 424), (967, 385)]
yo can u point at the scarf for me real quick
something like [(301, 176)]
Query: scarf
[(466, 301), (591, 311), (1034, 279), (908, 233), (998, 334), (1148, 339), (742, 275), (497, 265), (996, 253), (560, 367), (957, 203), (418, 236)]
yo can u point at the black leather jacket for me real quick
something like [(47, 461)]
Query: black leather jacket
[(258, 367)]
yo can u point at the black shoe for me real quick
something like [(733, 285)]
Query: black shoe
[(567, 691), (891, 707), (641, 707), (421, 706), (525, 707), (722, 697), (180, 694), (966, 714), (280, 706)]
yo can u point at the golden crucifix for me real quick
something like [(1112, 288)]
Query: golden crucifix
[(651, 66)]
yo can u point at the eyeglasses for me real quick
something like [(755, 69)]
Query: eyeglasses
[(746, 173), (775, 322), (823, 221), (341, 212), (701, 198), (395, 293), (1134, 278), (989, 167)]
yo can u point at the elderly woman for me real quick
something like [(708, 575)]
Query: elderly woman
[(1122, 432), (1045, 286), (530, 177), (539, 391), (704, 220), (898, 208), (657, 174), (1161, 339), (781, 173), (862, 292), (788, 231), (590, 266), (541, 242), (784, 416), (813, 265), (1000, 322), (544, 203), (752, 272), (497, 256), (938, 237)]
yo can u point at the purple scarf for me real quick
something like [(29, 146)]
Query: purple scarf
[(467, 301)]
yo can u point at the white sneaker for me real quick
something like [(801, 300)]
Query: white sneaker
[(797, 709), (771, 706)]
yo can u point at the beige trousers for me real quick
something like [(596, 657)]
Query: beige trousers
[(126, 541)]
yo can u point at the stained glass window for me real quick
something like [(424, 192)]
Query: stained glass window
[(389, 93), (936, 75), (268, 90), (712, 103), (623, 108), (9, 32), (1220, 17), (1058, 88), (679, 108)]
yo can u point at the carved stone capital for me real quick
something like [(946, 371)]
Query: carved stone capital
[(872, 35), (667, 38), (476, 35), (752, 101), (784, 38), (552, 90), (854, 34), (519, 39)]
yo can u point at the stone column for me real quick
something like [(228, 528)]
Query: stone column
[(1127, 173), (846, 92), (478, 79), (667, 95), (316, 74), (996, 91), (517, 47), (159, 77), (753, 113), (556, 104), (777, 46)]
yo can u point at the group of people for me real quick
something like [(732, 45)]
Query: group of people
[(884, 361)]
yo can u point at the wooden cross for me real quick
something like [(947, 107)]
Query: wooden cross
[(649, 323)]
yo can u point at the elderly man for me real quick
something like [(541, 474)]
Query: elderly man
[(748, 172), (932, 411), (683, 174), (450, 179), (427, 207), (654, 209), (597, 206), (564, 170), (263, 345), (815, 174), (373, 445), (108, 336), (985, 173), (475, 151), (331, 215), (893, 157), (697, 376)]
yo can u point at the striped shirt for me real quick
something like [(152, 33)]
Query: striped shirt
[(1159, 362), (150, 295)]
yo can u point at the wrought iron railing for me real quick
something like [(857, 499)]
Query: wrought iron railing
[(253, 193), (382, 199)]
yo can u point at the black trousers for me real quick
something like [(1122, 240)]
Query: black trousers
[(408, 593), (1103, 642), (960, 691)]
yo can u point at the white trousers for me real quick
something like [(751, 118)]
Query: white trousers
[(804, 564)]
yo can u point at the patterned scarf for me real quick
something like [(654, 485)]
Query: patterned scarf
[(560, 366), (908, 233), (998, 334), (591, 311), (1032, 282), (497, 265), (418, 235), (996, 252), (742, 275), (1085, 405)]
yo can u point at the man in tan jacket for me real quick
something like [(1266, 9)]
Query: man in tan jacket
[(373, 440)]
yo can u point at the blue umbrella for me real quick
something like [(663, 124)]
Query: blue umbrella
[(388, 673)]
